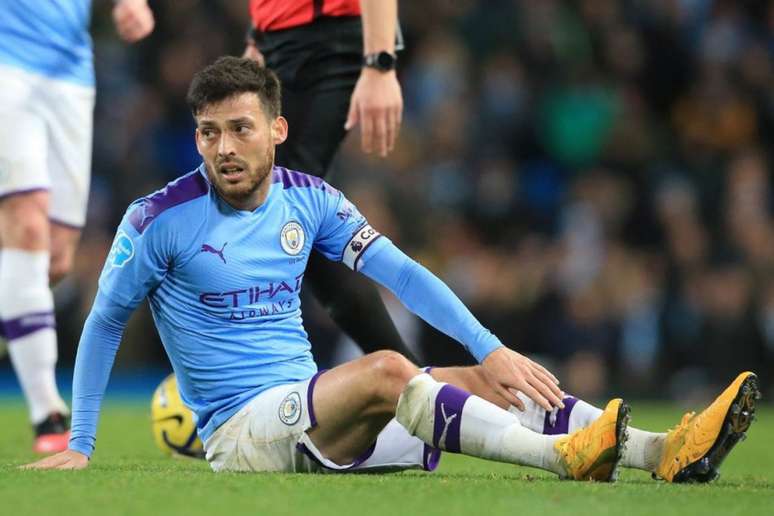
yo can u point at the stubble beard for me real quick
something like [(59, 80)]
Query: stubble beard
[(244, 190)]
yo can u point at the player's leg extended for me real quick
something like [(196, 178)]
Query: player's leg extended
[(27, 312), (643, 449), (690, 452), (355, 401)]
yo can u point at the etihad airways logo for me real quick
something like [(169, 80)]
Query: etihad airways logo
[(250, 295)]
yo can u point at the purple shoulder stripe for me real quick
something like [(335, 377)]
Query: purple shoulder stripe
[(292, 178), (183, 189)]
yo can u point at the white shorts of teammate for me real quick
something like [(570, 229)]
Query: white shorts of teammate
[(269, 434), (45, 141)]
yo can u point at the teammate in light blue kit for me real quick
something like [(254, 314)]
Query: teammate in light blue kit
[(220, 253), (46, 104)]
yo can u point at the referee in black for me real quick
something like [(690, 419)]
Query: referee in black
[(336, 60)]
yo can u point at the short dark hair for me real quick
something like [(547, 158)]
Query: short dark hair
[(229, 76)]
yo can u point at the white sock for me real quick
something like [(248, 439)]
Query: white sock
[(27, 316), (451, 419), (643, 450), (575, 415)]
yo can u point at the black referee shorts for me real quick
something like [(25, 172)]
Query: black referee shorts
[(318, 65)]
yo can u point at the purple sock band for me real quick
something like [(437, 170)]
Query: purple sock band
[(448, 415), (28, 323), (562, 423)]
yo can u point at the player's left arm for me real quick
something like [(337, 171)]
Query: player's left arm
[(377, 103)]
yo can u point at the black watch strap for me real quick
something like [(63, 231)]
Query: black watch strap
[(383, 61)]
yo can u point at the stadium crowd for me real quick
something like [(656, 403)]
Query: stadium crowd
[(592, 177)]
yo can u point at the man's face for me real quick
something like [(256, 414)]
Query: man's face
[(236, 140)]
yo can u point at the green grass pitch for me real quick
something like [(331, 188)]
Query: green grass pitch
[(129, 476)]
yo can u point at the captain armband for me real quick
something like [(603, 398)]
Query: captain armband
[(360, 241)]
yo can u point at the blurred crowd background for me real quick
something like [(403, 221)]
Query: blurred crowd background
[(592, 177)]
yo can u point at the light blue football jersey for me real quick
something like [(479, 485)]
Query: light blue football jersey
[(48, 37), (223, 284)]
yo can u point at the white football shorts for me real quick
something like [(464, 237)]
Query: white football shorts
[(45, 141), (269, 434)]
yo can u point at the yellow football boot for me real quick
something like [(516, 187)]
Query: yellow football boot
[(694, 449), (592, 453)]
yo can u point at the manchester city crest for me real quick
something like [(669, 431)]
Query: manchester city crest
[(292, 238), (290, 409)]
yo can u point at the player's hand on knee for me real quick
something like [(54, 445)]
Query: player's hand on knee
[(377, 106), (68, 459), (509, 371), (133, 19)]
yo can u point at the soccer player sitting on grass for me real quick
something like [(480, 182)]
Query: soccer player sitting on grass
[(221, 253)]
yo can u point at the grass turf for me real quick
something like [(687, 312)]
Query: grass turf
[(129, 476)]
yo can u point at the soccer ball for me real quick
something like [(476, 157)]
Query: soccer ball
[(174, 428)]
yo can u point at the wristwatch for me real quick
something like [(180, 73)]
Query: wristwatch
[(383, 61)]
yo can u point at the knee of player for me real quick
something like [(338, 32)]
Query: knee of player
[(392, 369), (28, 232), (24, 221)]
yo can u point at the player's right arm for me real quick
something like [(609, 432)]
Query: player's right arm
[(137, 262)]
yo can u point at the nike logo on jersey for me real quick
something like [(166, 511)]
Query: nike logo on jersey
[(207, 248)]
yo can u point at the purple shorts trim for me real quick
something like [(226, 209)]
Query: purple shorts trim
[(20, 192), (313, 423), (65, 224), (357, 462), (431, 457), (310, 397)]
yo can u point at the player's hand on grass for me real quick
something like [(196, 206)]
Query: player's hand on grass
[(133, 19), (509, 371), (377, 106), (68, 459)]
